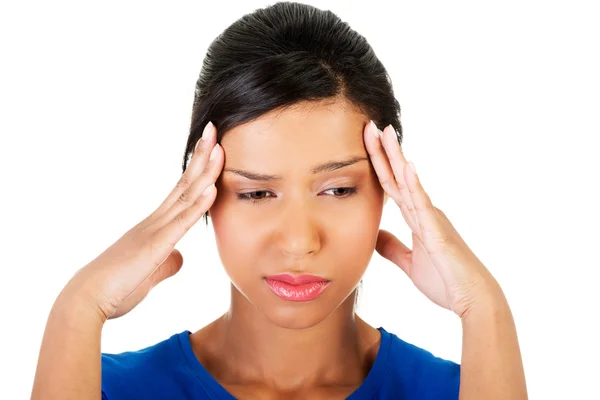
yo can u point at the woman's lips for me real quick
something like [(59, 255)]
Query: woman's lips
[(297, 288)]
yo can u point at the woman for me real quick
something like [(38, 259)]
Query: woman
[(289, 162)]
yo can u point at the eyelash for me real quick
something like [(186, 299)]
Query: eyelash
[(246, 196)]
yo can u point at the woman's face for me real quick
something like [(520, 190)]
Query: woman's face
[(277, 212)]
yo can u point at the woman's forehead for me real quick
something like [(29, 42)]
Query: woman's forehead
[(303, 133)]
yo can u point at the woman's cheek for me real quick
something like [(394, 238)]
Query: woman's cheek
[(361, 224), (228, 225)]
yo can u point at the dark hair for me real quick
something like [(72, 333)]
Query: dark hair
[(283, 54)]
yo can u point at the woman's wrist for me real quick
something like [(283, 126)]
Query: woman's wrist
[(77, 309), (491, 361), (490, 300)]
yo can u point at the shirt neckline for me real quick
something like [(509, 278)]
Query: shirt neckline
[(373, 380)]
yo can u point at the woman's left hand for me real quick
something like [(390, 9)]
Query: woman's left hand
[(440, 264)]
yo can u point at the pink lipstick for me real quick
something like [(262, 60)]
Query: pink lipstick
[(297, 287)]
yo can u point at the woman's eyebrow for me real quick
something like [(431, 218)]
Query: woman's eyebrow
[(326, 167), (334, 165)]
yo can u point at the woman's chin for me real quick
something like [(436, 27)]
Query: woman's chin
[(296, 316), (303, 314), (296, 313)]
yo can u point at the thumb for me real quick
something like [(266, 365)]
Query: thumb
[(166, 269), (391, 248)]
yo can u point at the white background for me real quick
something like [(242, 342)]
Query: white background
[(500, 109)]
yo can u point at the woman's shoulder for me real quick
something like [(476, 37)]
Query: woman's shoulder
[(147, 357), (413, 370), (416, 356), (146, 370)]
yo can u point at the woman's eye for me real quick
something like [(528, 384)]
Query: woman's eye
[(260, 195), (342, 191), (253, 196)]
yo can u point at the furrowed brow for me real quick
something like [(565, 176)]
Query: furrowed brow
[(326, 167), (335, 165)]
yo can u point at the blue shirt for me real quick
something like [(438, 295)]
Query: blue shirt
[(170, 370)]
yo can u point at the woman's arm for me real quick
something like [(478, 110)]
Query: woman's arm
[(111, 285), (491, 365), (443, 267), (69, 364)]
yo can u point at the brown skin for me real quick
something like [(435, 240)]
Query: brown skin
[(264, 346), (301, 223)]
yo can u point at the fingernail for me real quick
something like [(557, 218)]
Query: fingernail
[(213, 153), (207, 133), (412, 166), (375, 130)]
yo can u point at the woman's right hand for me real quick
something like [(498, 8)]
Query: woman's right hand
[(121, 277)]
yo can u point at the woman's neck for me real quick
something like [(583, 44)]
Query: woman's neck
[(244, 347)]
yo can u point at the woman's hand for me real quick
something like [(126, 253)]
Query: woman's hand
[(121, 277), (440, 264)]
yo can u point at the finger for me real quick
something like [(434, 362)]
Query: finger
[(212, 170), (389, 140), (170, 227), (380, 163), (197, 164), (385, 174), (423, 208), (391, 248), (165, 238), (178, 221)]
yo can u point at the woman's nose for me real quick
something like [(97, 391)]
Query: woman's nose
[(299, 231)]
